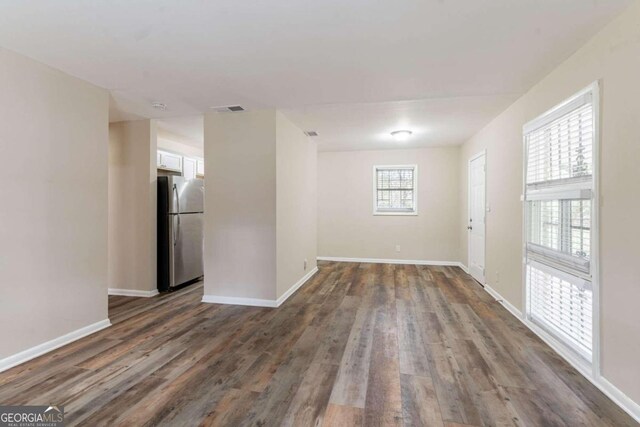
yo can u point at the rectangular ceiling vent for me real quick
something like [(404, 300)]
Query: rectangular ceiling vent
[(228, 108), (311, 133)]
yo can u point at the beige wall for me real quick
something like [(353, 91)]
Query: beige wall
[(347, 226), (240, 205), (260, 205), (171, 145), (53, 182), (132, 205), (296, 176), (613, 57)]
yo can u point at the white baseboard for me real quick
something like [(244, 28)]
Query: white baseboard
[(620, 399), (510, 307), (392, 261), (255, 302), (611, 391), (296, 286), (133, 293), (39, 350)]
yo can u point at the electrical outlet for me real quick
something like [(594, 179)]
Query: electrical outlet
[(397, 248), (305, 263)]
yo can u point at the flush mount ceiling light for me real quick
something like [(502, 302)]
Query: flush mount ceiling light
[(159, 106), (401, 135)]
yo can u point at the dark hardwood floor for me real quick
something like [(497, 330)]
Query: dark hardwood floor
[(359, 344)]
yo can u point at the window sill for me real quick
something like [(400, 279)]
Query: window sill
[(395, 213)]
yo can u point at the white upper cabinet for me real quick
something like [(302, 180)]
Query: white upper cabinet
[(200, 167), (188, 168), (169, 161)]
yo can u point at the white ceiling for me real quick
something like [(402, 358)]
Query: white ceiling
[(434, 122), (301, 55)]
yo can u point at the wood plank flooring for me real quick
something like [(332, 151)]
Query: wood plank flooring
[(359, 344)]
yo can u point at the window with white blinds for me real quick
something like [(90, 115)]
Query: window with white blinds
[(559, 193), (562, 304), (394, 190)]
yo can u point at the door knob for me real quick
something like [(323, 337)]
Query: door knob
[(469, 228)]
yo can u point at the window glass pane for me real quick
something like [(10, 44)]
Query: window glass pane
[(544, 223), (394, 189), (580, 228), (383, 199), (563, 307), (562, 225), (562, 149)]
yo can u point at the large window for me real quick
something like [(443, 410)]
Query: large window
[(559, 196), (395, 190)]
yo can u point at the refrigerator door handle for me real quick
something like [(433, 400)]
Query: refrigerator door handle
[(175, 190), (173, 229), (176, 230)]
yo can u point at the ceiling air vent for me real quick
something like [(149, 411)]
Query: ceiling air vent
[(227, 108), (311, 133)]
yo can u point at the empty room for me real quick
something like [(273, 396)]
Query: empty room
[(319, 213)]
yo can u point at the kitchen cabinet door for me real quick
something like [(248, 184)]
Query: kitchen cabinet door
[(189, 168), (170, 161)]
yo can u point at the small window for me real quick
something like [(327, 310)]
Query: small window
[(395, 190)]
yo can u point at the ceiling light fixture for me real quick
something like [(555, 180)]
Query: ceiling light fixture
[(159, 106), (401, 135)]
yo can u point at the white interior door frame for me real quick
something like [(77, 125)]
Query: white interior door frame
[(478, 275)]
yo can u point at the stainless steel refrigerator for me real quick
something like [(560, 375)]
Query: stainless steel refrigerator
[(180, 231)]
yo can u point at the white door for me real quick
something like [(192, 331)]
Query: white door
[(475, 226)]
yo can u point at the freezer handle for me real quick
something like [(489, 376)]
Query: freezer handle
[(175, 191)]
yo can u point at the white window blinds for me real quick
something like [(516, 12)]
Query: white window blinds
[(562, 304), (559, 192), (561, 151), (395, 189)]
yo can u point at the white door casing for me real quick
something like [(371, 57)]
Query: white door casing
[(476, 218)]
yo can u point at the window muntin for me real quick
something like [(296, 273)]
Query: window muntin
[(395, 190)]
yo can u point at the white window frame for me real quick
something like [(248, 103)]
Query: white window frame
[(589, 370), (376, 211)]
